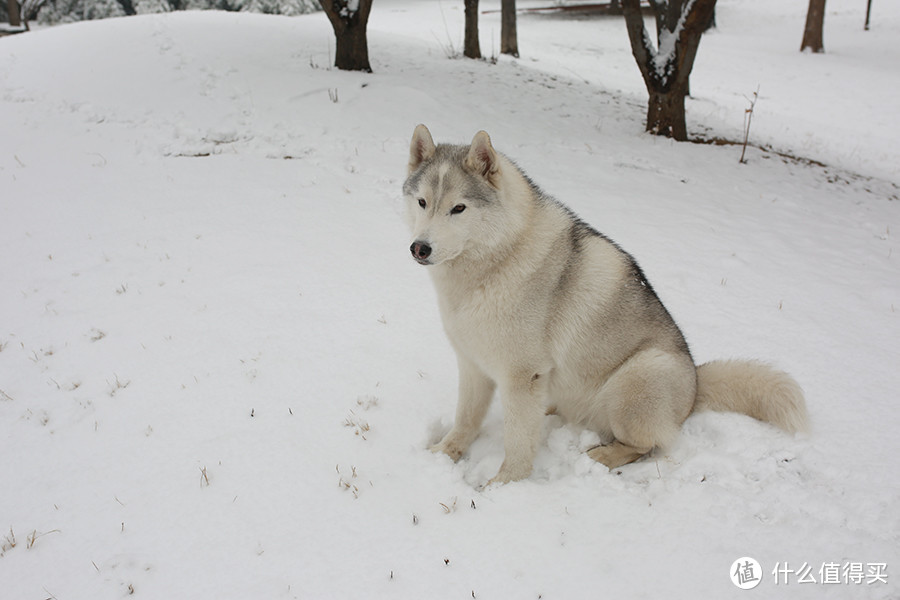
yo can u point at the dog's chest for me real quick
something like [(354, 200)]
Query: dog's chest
[(490, 325)]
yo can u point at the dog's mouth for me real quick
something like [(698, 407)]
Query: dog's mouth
[(422, 261)]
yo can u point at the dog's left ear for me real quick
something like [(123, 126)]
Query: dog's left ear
[(482, 159), (421, 148)]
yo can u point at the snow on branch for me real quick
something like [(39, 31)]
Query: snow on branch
[(349, 9), (660, 62), (346, 11), (665, 56)]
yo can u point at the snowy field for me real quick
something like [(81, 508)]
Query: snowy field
[(220, 369)]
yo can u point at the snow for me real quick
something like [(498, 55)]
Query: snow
[(663, 57), (220, 368)]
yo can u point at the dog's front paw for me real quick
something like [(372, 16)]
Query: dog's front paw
[(510, 473), (447, 447)]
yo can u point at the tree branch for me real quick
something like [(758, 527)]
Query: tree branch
[(341, 16), (693, 25), (332, 9), (641, 47)]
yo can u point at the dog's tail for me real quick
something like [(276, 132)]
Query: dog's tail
[(752, 388)]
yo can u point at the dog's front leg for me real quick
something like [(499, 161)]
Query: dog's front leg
[(524, 399), (475, 393)]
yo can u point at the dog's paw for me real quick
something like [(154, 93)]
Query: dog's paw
[(616, 454), (448, 448), (509, 473)]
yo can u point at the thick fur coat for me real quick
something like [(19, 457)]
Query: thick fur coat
[(554, 316)]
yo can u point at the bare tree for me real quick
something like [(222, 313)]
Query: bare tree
[(812, 33), (471, 48), (349, 19), (509, 42), (666, 66)]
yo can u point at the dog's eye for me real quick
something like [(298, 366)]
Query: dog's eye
[(457, 209), (422, 202)]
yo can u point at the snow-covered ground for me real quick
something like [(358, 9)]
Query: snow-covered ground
[(220, 369)]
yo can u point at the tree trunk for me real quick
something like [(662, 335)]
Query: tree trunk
[(666, 67), (509, 43), (815, 20), (471, 48), (12, 6), (127, 7), (665, 114), (352, 47)]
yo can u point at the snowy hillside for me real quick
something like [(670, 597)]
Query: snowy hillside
[(220, 369)]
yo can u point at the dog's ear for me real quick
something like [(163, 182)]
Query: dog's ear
[(482, 159), (421, 148)]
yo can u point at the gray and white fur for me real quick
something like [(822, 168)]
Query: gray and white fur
[(554, 316)]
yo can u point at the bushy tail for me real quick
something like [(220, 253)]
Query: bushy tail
[(752, 388)]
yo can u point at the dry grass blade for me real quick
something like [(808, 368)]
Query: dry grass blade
[(34, 536), (748, 115)]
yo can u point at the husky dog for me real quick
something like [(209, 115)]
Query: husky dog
[(556, 317)]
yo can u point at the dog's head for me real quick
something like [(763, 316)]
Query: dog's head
[(452, 195)]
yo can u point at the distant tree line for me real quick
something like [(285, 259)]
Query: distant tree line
[(65, 11), (665, 63)]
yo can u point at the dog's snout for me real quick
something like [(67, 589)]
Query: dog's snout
[(420, 250)]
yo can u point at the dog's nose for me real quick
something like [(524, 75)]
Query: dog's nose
[(420, 250)]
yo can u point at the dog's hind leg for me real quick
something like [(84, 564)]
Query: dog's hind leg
[(646, 400)]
